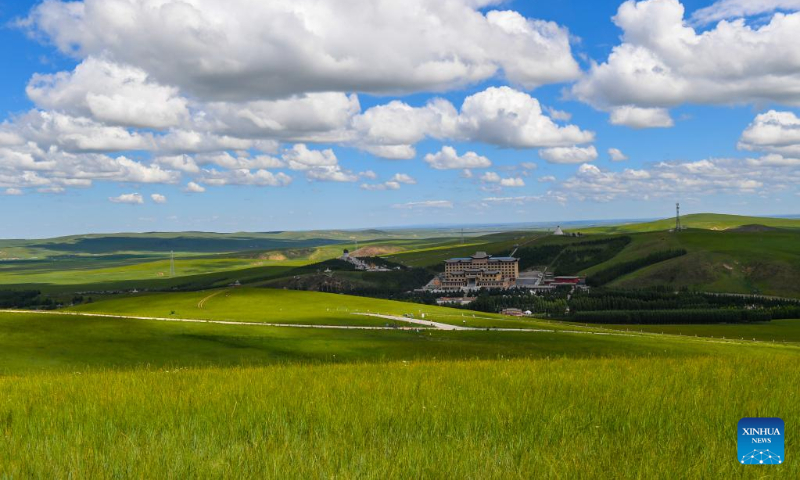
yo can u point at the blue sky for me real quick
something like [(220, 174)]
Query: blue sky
[(703, 113)]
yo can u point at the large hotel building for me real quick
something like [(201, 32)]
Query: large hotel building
[(480, 270)]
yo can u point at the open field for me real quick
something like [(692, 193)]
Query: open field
[(85, 396), (545, 418), (775, 330), (39, 342), (288, 306), (143, 398)]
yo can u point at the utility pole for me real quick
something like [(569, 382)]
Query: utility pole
[(677, 217)]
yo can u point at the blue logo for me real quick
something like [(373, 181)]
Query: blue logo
[(761, 441)]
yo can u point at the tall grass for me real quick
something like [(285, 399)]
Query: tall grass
[(564, 418)]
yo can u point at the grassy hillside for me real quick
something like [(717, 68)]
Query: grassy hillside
[(35, 342), (717, 261), (433, 256), (282, 306), (117, 397), (706, 221), (561, 418), (779, 331)]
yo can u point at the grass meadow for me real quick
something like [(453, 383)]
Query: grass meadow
[(290, 306), (780, 331), (35, 343), (542, 418)]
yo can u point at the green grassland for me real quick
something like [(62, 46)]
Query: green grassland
[(717, 261), (53, 271), (780, 331), (100, 397), (705, 221), (36, 342), (262, 305), (544, 418)]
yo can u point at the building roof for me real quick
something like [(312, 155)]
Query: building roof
[(458, 259), (481, 255)]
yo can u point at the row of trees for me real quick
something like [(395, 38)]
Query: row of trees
[(35, 299), (666, 317), (552, 306), (570, 258), (583, 255), (663, 299), (613, 272)]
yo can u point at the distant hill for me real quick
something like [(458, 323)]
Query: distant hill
[(738, 260), (705, 221)]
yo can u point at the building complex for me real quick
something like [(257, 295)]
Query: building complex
[(479, 271)]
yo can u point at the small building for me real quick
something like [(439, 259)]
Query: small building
[(513, 312), (558, 231)]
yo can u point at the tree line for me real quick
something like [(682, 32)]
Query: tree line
[(570, 258), (667, 317), (613, 272)]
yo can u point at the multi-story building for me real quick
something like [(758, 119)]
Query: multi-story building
[(480, 270)]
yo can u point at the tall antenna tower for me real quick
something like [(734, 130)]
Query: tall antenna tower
[(171, 263), (678, 217)]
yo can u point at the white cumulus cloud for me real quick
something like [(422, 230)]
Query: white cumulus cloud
[(111, 93), (725, 9), (193, 187), (616, 155), (129, 198), (255, 49), (569, 154), (448, 159), (773, 131), (663, 62)]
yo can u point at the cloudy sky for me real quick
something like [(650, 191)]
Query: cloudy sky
[(139, 115)]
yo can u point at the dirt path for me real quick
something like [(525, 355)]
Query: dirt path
[(435, 325), (221, 322), (202, 303), (440, 326), (425, 323)]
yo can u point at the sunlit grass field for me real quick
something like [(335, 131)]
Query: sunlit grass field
[(99, 397), (36, 342), (112, 397), (290, 306), (545, 418), (78, 273), (779, 331)]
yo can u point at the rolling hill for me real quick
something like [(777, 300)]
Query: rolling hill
[(705, 221)]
